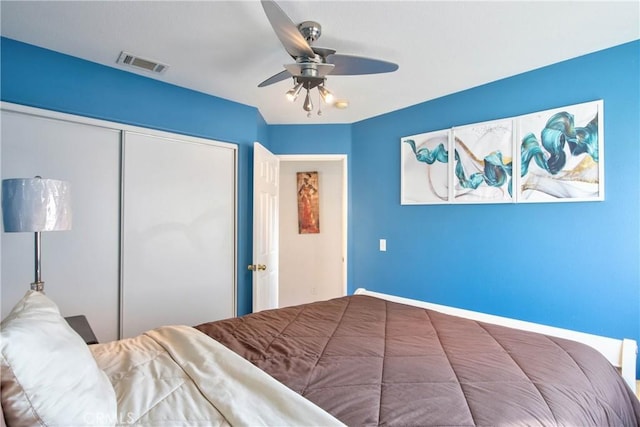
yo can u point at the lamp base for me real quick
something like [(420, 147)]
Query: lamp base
[(37, 286)]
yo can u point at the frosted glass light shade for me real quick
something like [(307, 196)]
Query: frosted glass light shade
[(36, 204)]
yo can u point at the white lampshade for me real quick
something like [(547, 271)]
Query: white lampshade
[(36, 204)]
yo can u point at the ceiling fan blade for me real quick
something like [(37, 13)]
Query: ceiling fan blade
[(286, 30), (349, 65), (282, 75)]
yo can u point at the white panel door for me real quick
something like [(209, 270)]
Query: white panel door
[(178, 244), (80, 266), (265, 228)]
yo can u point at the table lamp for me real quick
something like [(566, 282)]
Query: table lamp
[(35, 205)]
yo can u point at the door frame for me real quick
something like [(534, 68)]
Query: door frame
[(342, 158)]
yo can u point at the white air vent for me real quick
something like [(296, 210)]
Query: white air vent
[(141, 63)]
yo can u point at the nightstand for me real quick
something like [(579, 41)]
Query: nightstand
[(80, 324)]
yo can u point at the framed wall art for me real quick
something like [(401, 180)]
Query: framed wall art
[(562, 154), (308, 202), (483, 162), (555, 155), (425, 168)]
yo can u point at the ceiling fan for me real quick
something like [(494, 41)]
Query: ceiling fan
[(313, 64)]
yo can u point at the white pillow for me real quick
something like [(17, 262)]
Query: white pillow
[(49, 376)]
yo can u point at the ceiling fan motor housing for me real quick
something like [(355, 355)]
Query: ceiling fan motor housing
[(310, 30)]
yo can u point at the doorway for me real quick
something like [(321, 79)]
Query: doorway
[(313, 267)]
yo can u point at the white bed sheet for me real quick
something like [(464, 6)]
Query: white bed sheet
[(177, 376)]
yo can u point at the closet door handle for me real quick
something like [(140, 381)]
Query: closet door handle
[(259, 267)]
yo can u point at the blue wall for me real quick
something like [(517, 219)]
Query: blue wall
[(574, 265), (45, 79), (310, 139)]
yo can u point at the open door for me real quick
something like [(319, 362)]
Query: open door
[(266, 171)]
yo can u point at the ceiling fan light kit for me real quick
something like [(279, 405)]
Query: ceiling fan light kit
[(292, 94), (313, 64), (309, 83), (308, 105), (326, 95)]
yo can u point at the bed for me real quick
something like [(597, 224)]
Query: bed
[(361, 360)]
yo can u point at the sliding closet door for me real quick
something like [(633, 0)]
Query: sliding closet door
[(178, 242), (79, 267)]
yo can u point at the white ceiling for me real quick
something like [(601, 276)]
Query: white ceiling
[(225, 48)]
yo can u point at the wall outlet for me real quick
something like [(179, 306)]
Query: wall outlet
[(383, 245)]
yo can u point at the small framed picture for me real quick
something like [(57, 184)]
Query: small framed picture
[(308, 203)]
